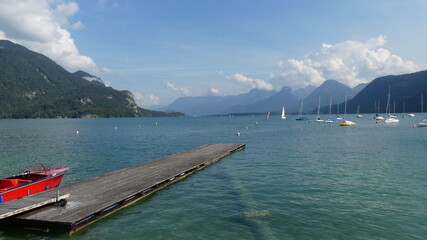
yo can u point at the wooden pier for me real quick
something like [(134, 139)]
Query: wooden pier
[(97, 197)]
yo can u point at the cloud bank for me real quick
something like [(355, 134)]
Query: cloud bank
[(146, 100), (40, 25), (182, 91), (250, 82), (350, 62)]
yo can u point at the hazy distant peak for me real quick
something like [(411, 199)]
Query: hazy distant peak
[(285, 88), (301, 93)]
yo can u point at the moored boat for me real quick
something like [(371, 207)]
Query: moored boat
[(378, 117), (347, 123), (423, 123), (391, 118), (32, 180), (318, 118), (300, 112)]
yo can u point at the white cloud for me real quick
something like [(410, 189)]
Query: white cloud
[(77, 25), (350, 62), (40, 25), (183, 91), (215, 92), (253, 83), (146, 100)]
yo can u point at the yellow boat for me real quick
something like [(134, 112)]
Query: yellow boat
[(347, 123)]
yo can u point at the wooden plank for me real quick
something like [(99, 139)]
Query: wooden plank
[(29, 203), (93, 198)]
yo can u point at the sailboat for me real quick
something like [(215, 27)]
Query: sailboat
[(391, 118), (338, 112), (424, 122), (377, 116), (358, 112), (403, 116), (283, 113), (330, 120), (318, 118), (268, 116), (346, 122), (300, 112)]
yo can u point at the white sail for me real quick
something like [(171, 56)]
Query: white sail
[(283, 113)]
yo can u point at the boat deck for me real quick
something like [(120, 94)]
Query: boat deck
[(96, 197)]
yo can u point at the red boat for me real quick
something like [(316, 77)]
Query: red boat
[(33, 179)]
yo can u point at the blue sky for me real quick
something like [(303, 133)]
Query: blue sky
[(163, 49)]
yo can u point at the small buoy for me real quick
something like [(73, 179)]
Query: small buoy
[(77, 132), (238, 134), (414, 125), (156, 124), (376, 122), (115, 128)]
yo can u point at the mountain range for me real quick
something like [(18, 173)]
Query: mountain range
[(34, 86), (406, 90), (261, 101)]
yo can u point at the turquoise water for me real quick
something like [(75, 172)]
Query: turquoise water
[(294, 180)]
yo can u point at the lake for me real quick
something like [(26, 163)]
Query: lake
[(294, 180)]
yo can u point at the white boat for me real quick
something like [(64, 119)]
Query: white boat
[(338, 112), (411, 115), (346, 122), (358, 114), (318, 118), (391, 118), (423, 123), (377, 110), (330, 119), (283, 113)]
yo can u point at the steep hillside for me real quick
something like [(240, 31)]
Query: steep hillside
[(33, 86), (406, 88)]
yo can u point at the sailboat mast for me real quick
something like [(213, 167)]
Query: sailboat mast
[(394, 107), (375, 107), (345, 107), (387, 108)]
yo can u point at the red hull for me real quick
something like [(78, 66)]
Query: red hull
[(31, 184)]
